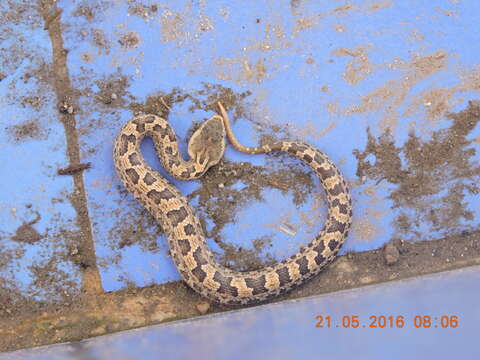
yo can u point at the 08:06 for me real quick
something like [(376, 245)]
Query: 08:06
[(382, 321)]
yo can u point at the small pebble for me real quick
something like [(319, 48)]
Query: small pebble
[(221, 186), (203, 308), (391, 254), (66, 108)]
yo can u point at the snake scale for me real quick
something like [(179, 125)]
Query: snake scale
[(170, 208)]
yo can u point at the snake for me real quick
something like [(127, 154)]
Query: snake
[(184, 232)]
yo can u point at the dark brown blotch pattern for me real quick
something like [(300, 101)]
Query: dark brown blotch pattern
[(177, 216), (167, 194), (307, 158), (319, 259), (199, 273), (257, 284), (189, 229), (319, 158), (326, 173), (225, 284), (336, 225), (149, 179), (302, 265), (133, 175), (158, 129), (184, 245), (200, 259), (283, 276), (343, 208), (134, 159), (158, 196), (140, 125), (333, 245), (124, 141), (296, 148), (336, 190)]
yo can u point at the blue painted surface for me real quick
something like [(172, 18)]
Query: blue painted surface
[(303, 89), (32, 148), (173, 52), (287, 330)]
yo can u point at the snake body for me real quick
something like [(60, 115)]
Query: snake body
[(185, 235)]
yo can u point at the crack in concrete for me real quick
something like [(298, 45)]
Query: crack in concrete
[(91, 280)]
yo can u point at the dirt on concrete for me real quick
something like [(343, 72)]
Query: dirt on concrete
[(441, 166), (134, 307), (67, 319), (27, 130), (431, 177), (218, 201), (27, 233)]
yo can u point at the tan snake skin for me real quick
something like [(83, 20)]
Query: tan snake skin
[(185, 235)]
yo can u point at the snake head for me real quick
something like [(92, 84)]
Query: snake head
[(207, 144)]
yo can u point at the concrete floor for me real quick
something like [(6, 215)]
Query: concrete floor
[(431, 317), (387, 89)]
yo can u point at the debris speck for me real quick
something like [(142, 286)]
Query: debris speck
[(66, 108), (203, 307), (286, 230), (73, 169), (129, 40)]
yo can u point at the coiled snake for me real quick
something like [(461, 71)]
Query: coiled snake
[(188, 248)]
